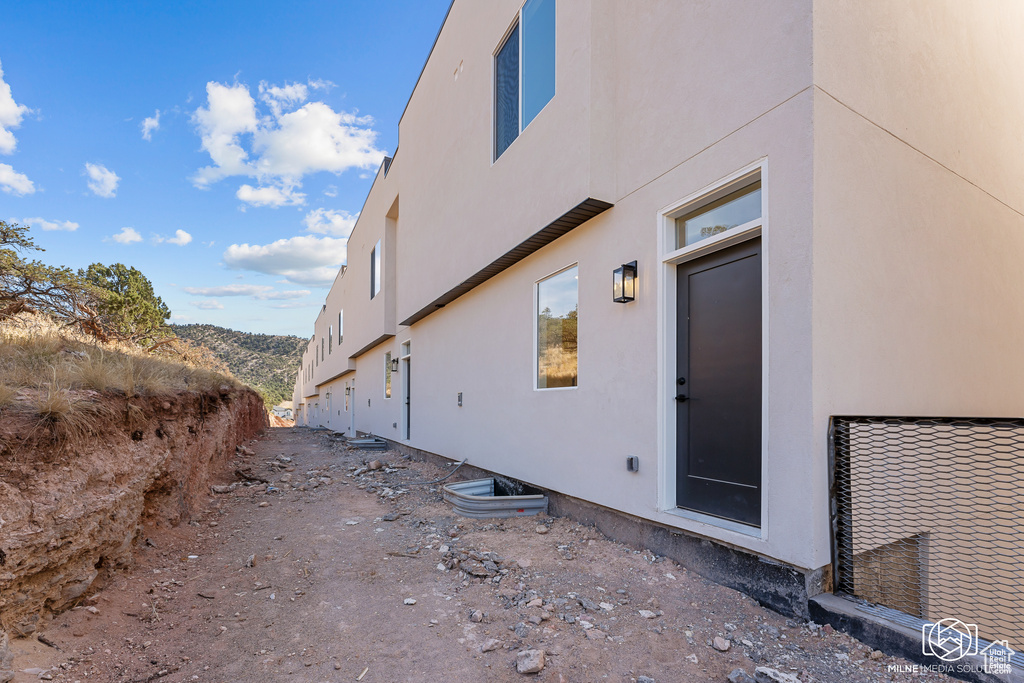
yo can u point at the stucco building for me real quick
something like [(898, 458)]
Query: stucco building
[(825, 207)]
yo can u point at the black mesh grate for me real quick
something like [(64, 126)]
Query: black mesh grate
[(928, 518)]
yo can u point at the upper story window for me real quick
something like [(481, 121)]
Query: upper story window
[(524, 72), (375, 270), (341, 329), (330, 339), (557, 318)]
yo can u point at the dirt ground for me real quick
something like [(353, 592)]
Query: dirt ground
[(335, 574)]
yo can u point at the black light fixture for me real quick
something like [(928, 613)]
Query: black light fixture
[(394, 365), (624, 283)]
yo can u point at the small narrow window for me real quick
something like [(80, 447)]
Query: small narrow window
[(730, 211), (387, 375), (341, 329), (330, 339), (524, 72), (375, 270), (557, 316)]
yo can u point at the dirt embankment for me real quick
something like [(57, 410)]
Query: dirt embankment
[(73, 509)]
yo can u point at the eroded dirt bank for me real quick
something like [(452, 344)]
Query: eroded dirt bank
[(73, 509), (342, 569)]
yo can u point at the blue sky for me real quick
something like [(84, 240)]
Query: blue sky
[(222, 148)]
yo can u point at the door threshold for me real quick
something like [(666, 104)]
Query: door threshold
[(721, 523)]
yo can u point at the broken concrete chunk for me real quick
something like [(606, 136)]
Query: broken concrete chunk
[(530, 661), (721, 644), (763, 674), (490, 644)]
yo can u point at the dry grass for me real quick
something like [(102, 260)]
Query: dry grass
[(7, 395), (60, 375)]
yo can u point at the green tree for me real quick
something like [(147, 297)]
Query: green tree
[(130, 309), (34, 287)]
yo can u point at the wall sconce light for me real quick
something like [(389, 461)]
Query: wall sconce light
[(624, 283), (394, 365), (348, 391)]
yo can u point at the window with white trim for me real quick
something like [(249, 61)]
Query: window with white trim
[(524, 72), (557, 318)]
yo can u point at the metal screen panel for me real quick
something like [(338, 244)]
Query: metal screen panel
[(928, 518)]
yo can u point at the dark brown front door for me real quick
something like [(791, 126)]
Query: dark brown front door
[(718, 387)]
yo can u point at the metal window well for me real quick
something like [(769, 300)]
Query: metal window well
[(494, 497), (926, 518)]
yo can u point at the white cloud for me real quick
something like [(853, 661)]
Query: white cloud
[(270, 196), (179, 316), (261, 292), (207, 305), (102, 181), (295, 304), (330, 222), (230, 112), (44, 224), (278, 148), (181, 238), (149, 124), (331, 191), (288, 294), (13, 182), (11, 114), (304, 260), (229, 290), (127, 236)]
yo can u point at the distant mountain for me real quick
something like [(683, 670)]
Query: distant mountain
[(266, 362)]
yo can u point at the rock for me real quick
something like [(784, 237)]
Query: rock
[(730, 627), (390, 517), (521, 630), (606, 606), (476, 617), (763, 674), (92, 610), (536, 602), (747, 643), (595, 634), (647, 614), (692, 658), (589, 605), (740, 676), (530, 661), (644, 679), (264, 504), (524, 563), (535, 620), (876, 654), (374, 465), (223, 489), (409, 601), (490, 644), (6, 659), (827, 628), (721, 644), (542, 529)]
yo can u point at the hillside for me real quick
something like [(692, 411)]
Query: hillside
[(266, 362)]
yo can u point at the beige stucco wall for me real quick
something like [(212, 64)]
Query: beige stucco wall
[(628, 125), (893, 237), (919, 208)]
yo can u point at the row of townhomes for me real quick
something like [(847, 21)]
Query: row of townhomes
[(739, 281)]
